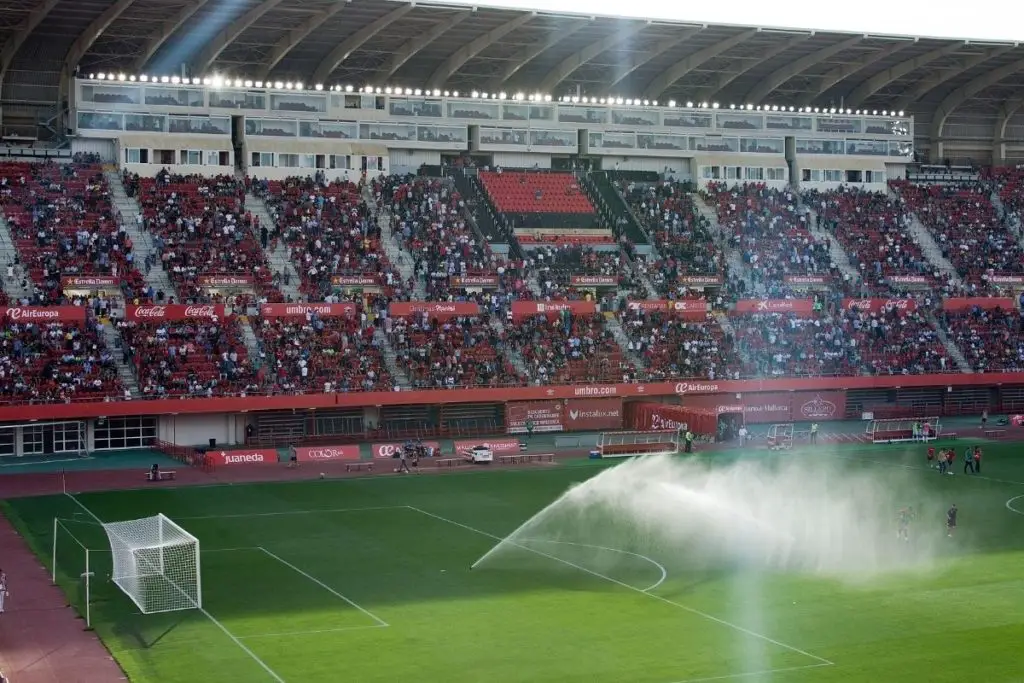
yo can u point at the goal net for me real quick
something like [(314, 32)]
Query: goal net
[(156, 563), (904, 429), (780, 436)]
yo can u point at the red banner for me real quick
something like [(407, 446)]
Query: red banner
[(80, 281), (390, 450), (878, 305), (355, 280), (771, 407), (593, 414), (522, 309), (1007, 280), (434, 309), (806, 280), (982, 302), (701, 280), (341, 310), (546, 416), (594, 280), (173, 312), (691, 309), (908, 279), (499, 445), (252, 456), (801, 306), (483, 281), (225, 280), (326, 453), (44, 314)]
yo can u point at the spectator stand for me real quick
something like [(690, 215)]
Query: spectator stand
[(673, 344), (63, 225), (991, 340), (567, 345)]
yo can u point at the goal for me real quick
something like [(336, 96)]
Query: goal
[(780, 437), (894, 430), (156, 563)]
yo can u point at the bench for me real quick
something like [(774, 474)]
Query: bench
[(636, 448), (522, 458), (453, 462), (952, 436), (162, 475), (359, 466), (994, 433)]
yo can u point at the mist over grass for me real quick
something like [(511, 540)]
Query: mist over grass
[(807, 515)]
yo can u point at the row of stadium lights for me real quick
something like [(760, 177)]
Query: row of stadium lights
[(218, 82)]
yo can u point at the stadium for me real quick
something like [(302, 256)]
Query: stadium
[(387, 341)]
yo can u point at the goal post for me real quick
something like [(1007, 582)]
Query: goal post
[(73, 566), (780, 436), (156, 564)]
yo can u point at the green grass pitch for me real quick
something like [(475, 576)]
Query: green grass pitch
[(368, 580)]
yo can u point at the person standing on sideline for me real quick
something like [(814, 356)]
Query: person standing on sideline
[(977, 459), (814, 432), (403, 464), (942, 461), (688, 440), (3, 590), (743, 434), (529, 429), (984, 418), (968, 461), (951, 520)]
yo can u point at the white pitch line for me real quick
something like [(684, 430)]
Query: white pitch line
[(664, 572), (263, 665), (886, 463), (285, 634), (736, 627), (380, 622), (764, 672), (1009, 505), (283, 513)]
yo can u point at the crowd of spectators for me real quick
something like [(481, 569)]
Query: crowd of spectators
[(321, 354), (967, 228), (445, 354), (873, 229), (672, 347), (63, 224), (55, 362), (189, 358), (567, 348), (202, 229), (991, 340)]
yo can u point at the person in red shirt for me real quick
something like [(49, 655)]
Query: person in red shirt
[(950, 459), (931, 456), (977, 459)]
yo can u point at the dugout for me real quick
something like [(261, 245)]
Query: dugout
[(723, 423)]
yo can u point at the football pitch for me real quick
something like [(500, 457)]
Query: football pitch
[(369, 580)]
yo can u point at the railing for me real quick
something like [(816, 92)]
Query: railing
[(185, 455)]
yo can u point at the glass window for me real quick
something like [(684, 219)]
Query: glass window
[(387, 131), (681, 120), (271, 127), (32, 440), (124, 432), (568, 113), (473, 110), (753, 173), (7, 442), (762, 146), (341, 161), (776, 173), (502, 136), (400, 106), (552, 138), (174, 97), (808, 146), (788, 122), (831, 124), (833, 176), (288, 160), (812, 175), (213, 158), (613, 140), (111, 94), (868, 147), (740, 121), (191, 156), (132, 155), (634, 117), (144, 122), (441, 134), (311, 104), (227, 99), (88, 120), (339, 130), (650, 141), (203, 125)]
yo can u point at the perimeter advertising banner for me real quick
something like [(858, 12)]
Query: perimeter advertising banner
[(299, 311), (85, 281), (442, 310), (593, 414), (391, 450), (878, 305), (481, 281), (769, 407), (173, 312), (987, 303), (689, 309), (499, 445), (326, 453), (523, 309), (225, 280), (701, 280), (798, 306), (807, 280), (545, 415), (250, 456), (594, 280), (44, 314)]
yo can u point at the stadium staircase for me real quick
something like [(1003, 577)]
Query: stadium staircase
[(733, 257), (399, 376), (513, 356), (603, 194), (480, 209), (9, 254), (129, 210), (839, 257), (125, 373), (277, 254), (951, 348), (252, 342), (931, 250), (640, 275), (613, 325), (401, 259)]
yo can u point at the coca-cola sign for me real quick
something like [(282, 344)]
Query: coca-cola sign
[(879, 305), (99, 281), (594, 281), (44, 314), (341, 310), (225, 280), (326, 453), (799, 306), (174, 312)]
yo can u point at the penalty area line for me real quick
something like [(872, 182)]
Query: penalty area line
[(285, 513), (736, 627), (752, 674)]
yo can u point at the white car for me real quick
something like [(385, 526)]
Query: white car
[(480, 454)]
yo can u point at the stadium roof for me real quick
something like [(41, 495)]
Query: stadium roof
[(425, 45)]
